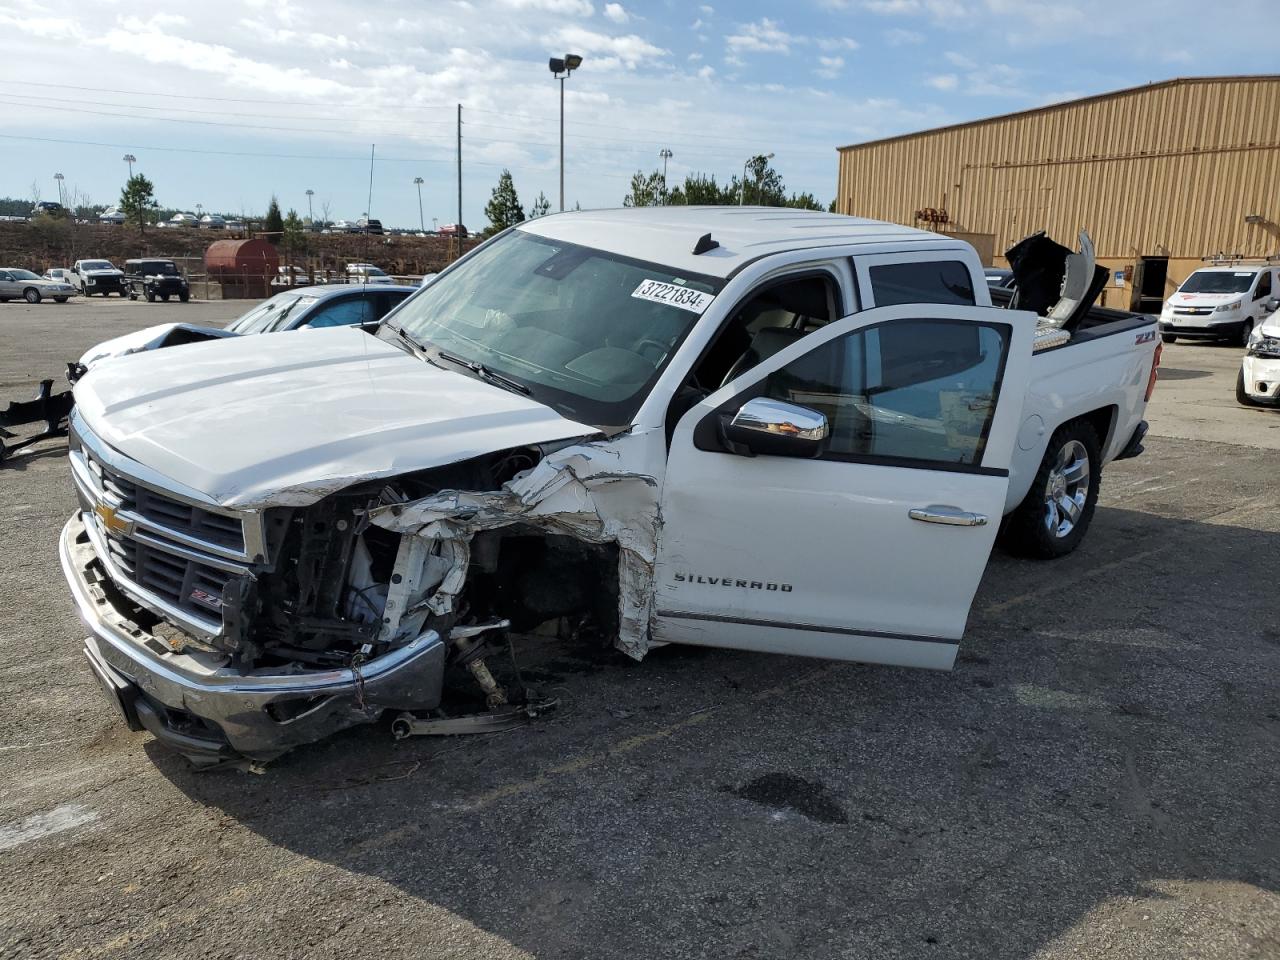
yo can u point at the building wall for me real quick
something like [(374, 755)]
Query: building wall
[(1171, 169)]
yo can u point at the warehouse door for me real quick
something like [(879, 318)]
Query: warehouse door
[(1148, 291)]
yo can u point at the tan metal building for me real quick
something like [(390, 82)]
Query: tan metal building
[(1160, 176)]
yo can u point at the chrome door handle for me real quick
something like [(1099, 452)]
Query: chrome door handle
[(952, 516)]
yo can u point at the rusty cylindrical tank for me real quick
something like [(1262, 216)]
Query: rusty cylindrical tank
[(245, 268)]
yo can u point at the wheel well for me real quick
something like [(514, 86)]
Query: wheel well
[(1102, 421)]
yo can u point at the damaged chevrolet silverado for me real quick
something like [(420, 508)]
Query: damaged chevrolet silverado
[(771, 430)]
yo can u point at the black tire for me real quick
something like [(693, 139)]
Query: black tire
[(31, 295), (151, 296), (164, 298), (1246, 328), (1242, 397), (1028, 531), (184, 297), (60, 299), (1169, 337)]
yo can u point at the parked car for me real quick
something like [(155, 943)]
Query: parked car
[(154, 278), (98, 276), (236, 225), (452, 230), (367, 273), (1221, 303), (287, 276), (370, 226), (50, 208), (344, 226), (112, 215), (180, 220), (18, 284), (1258, 382), (211, 221), (61, 275), (795, 435), (295, 309)]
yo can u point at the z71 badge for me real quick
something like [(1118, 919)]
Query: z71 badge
[(1145, 337)]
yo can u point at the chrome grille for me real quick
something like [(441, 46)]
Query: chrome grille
[(168, 515), (186, 584)]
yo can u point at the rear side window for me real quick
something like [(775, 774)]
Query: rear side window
[(930, 281), (1264, 286), (343, 313)]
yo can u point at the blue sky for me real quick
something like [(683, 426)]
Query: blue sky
[(227, 104)]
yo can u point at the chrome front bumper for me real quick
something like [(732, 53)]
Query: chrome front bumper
[(198, 704)]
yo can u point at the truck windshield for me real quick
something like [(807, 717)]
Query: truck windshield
[(96, 265), (587, 332), (1218, 281)]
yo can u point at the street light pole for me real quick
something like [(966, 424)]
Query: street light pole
[(311, 214), (130, 159), (666, 155), (561, 67), (422, 223), (62, 200)]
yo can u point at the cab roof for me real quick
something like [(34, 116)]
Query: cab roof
[(667, 235)]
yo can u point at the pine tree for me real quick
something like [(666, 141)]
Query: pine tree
[(646, 190), (273, 222), (138, 201), (293, 232), (503, 208), (541, 207)]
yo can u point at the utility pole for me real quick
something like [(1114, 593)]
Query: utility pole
[(666, 155), (311, 214), (422, 223), (458, 226)]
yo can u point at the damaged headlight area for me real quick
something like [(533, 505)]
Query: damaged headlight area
[(361, 601)]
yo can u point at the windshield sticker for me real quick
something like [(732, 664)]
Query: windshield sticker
[(695, 301), (1245, 274)]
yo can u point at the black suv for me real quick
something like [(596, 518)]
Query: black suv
[(155, 278)]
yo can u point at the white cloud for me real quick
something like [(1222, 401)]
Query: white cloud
[(580, 8), (707, 72), (694, 56), (630, 49), (897, 37), (616, 13), (959, 60), (837, 43), (830, 67), (696, 25), (943, 81), (764, 36), (707, 11)]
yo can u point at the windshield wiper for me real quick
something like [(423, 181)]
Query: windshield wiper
[(408, 338), (480, 370)]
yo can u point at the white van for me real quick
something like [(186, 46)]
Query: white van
[(1220, 303)]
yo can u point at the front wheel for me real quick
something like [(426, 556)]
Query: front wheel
[(164, 298), (1242, 395), (31, 295), (60, 299), (151, 297), (184, 297), (1169, 337), (1246, 328), (1055, 514)]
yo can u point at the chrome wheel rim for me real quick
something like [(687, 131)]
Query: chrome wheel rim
[(1066, 489)]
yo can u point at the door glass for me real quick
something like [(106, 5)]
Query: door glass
[(929, 281), (909, 389), (343, 313), (1264, 286)]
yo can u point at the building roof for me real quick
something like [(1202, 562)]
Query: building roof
[(1066, 104), (667, 235)]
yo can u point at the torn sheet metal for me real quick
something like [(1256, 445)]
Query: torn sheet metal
[(581, 491)]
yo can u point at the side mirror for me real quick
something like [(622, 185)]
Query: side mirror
[(779, 429), (1273, 304)]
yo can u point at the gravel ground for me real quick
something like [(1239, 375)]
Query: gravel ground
[(1096, 778)]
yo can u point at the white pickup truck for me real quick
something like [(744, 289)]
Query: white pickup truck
[(765, 429)]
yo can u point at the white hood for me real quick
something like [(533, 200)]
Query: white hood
[(146, 339), (1202, 299), (257, 421), (102, 273)]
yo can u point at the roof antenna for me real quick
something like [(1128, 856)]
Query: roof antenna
[(704, 244)]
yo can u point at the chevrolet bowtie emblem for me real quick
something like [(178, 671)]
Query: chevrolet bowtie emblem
[(112, 522)]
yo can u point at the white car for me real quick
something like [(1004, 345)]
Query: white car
[(781, 431), (367, 273), (112, 215), (211, 221), (61, 275), (1221, 303), (1258, 382), (18, 284)]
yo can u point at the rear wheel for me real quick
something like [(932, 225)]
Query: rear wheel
[(1056, 512), (1169, 337), (184, 296), (60, 299), (151, 296), (1242, 396), (31, 295)]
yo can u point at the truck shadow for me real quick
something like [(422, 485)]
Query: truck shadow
[(1103, 754)]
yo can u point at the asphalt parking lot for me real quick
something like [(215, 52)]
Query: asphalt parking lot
[(1096, 778)]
